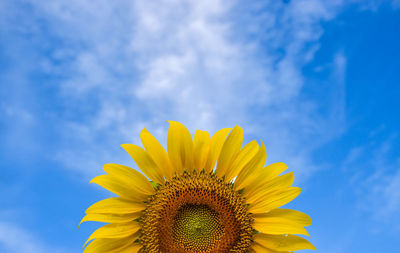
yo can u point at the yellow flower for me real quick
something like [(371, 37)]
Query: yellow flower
[(191, 205)]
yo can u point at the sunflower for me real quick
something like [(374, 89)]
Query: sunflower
[(209, 194)]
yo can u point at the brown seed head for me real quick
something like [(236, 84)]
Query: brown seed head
[(196, 213)]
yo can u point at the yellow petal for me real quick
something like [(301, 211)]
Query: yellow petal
[(251, 250), (229, 150), (258, 248), (273, 170), (275, 199), (110, 217), (245, 155), (119, 187), (217, 141), (254, 196), (247, 174), (133, 248), (265, 175), (282, 221), (157, 153), (109, 245), (180, 147), (117, 230), (116, 205), (277, 226), (287, 214), (144, 162), (130, 176), (201, 149), (283, 242)]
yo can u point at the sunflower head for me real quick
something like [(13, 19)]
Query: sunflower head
[(207, 194)]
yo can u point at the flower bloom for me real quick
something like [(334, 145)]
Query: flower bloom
[(207, 194)]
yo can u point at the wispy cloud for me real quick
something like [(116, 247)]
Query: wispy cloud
[(375, 171), (374, 5), (14, 239), (121, 66), (379, 191)]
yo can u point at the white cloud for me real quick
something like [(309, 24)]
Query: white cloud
[(381, 199), (396, 4), (379, 193), (375, 180), (388, 190), (14, 239), (126, 65), (374, 5)]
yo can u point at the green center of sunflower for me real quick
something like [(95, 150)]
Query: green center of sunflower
[(197, 227)]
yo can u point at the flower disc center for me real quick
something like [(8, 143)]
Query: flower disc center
[(197, 227), (196, 213)]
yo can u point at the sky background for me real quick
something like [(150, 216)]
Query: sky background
[(317, 81)]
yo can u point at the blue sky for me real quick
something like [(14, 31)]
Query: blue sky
[(317, 81)]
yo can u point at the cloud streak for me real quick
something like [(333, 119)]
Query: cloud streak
[(120, 66), (14, 239)]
